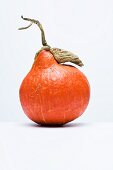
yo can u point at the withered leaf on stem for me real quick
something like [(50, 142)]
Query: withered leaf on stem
[(63, 56)]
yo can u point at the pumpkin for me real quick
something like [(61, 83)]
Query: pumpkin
[(53, 93)]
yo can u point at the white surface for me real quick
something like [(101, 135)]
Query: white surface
[(84, 27), (80, 146)]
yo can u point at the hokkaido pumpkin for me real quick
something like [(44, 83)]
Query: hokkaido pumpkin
[(53, 93)]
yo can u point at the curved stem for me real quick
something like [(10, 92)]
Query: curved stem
[(33, 21)]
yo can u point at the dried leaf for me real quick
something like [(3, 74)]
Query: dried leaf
[(63, 56)]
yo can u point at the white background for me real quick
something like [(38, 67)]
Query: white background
[(81, 146), (84, 27)]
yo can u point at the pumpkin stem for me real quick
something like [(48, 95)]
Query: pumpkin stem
[(33, 21)]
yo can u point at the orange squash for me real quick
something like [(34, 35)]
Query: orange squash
[(53, 93)]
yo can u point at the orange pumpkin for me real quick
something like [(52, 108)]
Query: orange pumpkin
[(53, 93)]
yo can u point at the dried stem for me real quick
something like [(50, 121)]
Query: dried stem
[(44, 42), (60, 55)]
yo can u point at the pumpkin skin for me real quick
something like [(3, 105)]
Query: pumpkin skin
[(52, 93)]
